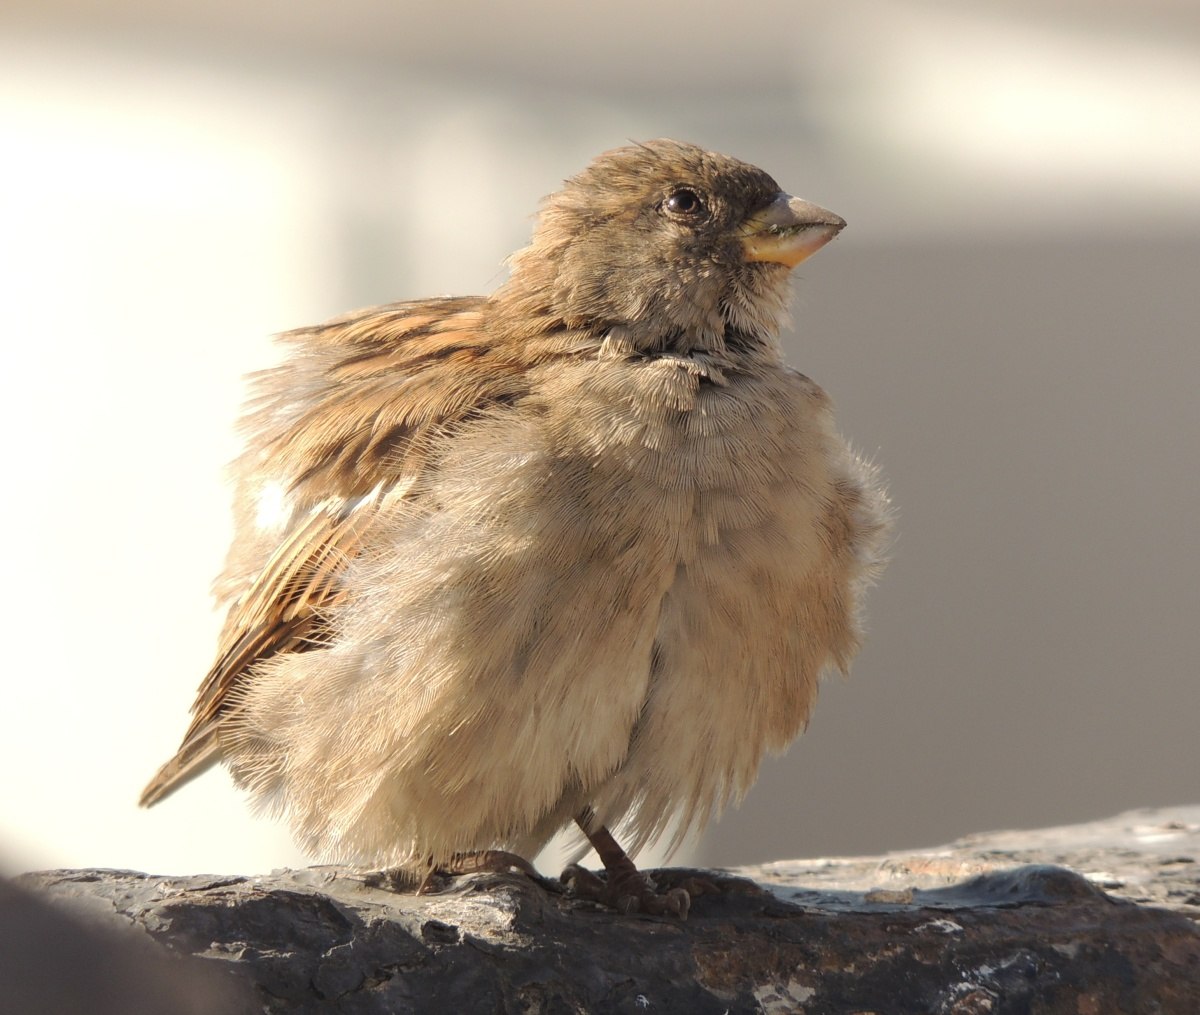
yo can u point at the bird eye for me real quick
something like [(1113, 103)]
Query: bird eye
[(684, 202)]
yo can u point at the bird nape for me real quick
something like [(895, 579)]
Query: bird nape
[(576, 551)]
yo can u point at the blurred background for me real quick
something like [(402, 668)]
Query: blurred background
[(1009, 326)]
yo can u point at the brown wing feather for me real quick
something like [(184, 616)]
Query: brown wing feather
[(345, 419), (282, 611)]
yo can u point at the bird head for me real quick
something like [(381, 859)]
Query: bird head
[(669, 246)]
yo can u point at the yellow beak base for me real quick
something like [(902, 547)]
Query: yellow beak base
[(788, 231)]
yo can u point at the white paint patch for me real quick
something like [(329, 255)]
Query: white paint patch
[(1159, 833), (1104, 879), (942, 927), (780, 999)]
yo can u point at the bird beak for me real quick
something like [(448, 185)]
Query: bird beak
[(788, 230)]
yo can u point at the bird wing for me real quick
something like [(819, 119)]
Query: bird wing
[(344, 421)]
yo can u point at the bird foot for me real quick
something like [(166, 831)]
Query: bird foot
[(485, 861), (627, 891)]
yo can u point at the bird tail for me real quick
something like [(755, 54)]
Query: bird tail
[(192, 759)]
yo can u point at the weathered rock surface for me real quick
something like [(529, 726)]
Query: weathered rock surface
[(1087, 919)]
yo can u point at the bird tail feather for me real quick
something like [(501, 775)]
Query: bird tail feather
[(192, 759)]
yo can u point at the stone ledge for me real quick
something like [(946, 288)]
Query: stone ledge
[(1085, 919)]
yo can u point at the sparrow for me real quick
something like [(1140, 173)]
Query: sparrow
[(576, 551)]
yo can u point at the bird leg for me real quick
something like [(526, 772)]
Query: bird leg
[(626, 889)]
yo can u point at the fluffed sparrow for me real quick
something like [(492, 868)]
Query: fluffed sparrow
[(577, 550)]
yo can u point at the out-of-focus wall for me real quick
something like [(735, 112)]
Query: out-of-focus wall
[(1009, 325)]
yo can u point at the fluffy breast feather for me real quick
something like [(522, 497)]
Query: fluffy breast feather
[(652, 546)]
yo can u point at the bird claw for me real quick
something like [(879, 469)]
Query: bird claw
[(627, 893)]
